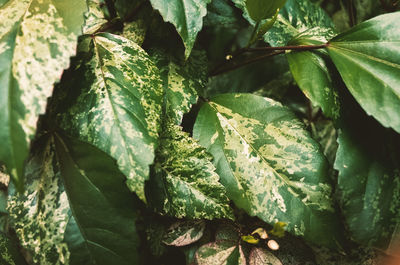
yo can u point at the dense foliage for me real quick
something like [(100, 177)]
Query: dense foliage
[(199, 132)]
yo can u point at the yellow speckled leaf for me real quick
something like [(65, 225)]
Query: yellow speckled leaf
[(269, 164), (37, 38)]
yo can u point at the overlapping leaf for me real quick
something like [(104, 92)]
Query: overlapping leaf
[(183, 233), (261, 9), (76, 208), (368, 59), (369, 180), (37, 39), (95, 17), (260, 256), (185, 15), (112, 98), (269, 164), (9, 251), (184, 182), (182, 80)]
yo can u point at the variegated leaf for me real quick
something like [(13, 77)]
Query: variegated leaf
[(184, 182), (95, 17), (185, 15), (9, 251), (111, 98), (75, 208), (260, 256), (183, 233), (37, 38), (269, 164), (221, 252), (182, 79)]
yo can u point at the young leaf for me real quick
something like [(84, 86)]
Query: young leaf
[(183, 233), (260, 256), (298, 16), (111, 98), (368, 59), (186, 16), (269, 164), (9, 251), (37, 39), (184, 182), (224, 252), (369, 180), (76, 208), (263, 9)]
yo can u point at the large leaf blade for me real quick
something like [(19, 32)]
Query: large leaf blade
[(368, 60), (37, 39), (269, 164), (76, 208), (115, 105), (186, 16)]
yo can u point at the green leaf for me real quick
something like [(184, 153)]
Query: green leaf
[(225, 252), (184, 182), (186, 16), (263, 9), (126, 8), (111, 98), (76, 208), (298, 16), (269, 164), (183, 233), (260, 256), (37, 39), (313, 76), (368, 59), (9, 252), (182, 79), (369, 180)]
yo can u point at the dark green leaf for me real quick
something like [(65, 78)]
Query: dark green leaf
[(37, 39), (368, 59), (369, 181), (111, 98), (185, 15), (183, 233), (76, 208), (184, 182), (263, 9), (269, 164), (261, 256), (9, 251), (125, 8), (298, 16)]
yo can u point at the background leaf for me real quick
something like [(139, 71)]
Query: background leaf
[(269, 164), (9, 251), (368, 60), (111, 98), (185, 15), (183, 233), (261, 9), (259, 256), (184, 182), (37, 39)]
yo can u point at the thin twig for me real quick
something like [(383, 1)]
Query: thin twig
[(219, 71)]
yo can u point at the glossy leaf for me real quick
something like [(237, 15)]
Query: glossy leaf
[(76, 208), (263, 9), (369, 181), (183, 233), (368, 59), (111, 98), (221, 252), (184, 182), (260, 256), (185, 15), (269, 164), (313, 76), (37, 39), (9, 251), (298, 16)]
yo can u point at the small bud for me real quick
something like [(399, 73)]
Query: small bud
[(273, 245)]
